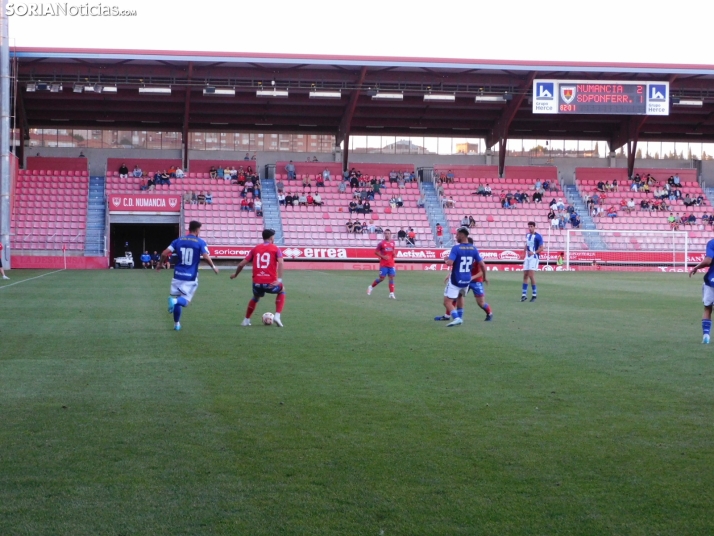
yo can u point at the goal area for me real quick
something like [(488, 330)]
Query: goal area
[(612, 248)]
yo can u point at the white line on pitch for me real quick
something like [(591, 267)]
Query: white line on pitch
[(30, 279)]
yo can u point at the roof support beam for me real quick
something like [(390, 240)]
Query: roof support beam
[(186, 112), (344, 130), (500, 129), (629, 130)]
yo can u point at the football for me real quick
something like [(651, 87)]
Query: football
[(268, 319)]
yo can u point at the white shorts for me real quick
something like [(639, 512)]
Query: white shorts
[(531, 263), (183, 288), (707, 295), (452, 291)]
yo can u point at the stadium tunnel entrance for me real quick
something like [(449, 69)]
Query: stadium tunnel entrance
[(140, 237)]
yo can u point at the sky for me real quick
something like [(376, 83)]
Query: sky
[(624, 31)]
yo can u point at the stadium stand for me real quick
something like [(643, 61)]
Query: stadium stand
[(223, 221), (50, 208), (642, 219), (308, 168), (147, 165), (325, 225), (37, 163), (201, 168)]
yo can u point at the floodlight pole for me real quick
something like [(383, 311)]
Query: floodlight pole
[(4, 135)]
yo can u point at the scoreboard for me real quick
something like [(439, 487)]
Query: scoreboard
[(600, 97)]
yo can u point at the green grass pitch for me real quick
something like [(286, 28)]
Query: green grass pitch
[(588, 412)]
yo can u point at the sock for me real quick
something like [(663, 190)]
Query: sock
[(391, 286), (279, 303), (486, 307), (376, 282), (454, 314), (177, 312), (706, 326), (251, 307), (534, 290), (460, 313), (525, 288)]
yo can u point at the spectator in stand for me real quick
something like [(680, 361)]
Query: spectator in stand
[(488, 190), (366, 208), (352, 206), (123, 171), (257, 192), (280, 186), (281, 199), (317, 199), (302, 199), (376, 188), (244, 204), (248, 188), (538, 196), (145, 260), (636, 183), (630, 205), (247, 156), (290, 169), (354, 182), (554, 222), (258, 205), (560, 205), (296, 201), (209, 198), (401, 183), (401, 235), (551, 214), (412, 177), (562, 220), (357, 228), (575, 220), (306, 183), (688, 201), (673, 222), (148, 184), (676, 181), (201, 198), (350, 226), (220, 172), (439, 234), (319, 181), (342, 187), (310, 199), (254, 157), (615, 187), (472, 222), (421, 202), (326, 175), (171, 171), (178, 172), (399, 201), (465, 221), (608, 186), (448, 202), (612, 212), (155, 257), (600, 186), (553, 205), (288, 200), (393, 202), (644, 205), (449, 177), (538, 185), (137, 172), (392, 176), (691, 219), (186, 198), (411, 237)]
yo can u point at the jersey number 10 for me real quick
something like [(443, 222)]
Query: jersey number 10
[(187, 256)]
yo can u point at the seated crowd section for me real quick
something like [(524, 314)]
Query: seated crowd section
[(49, 210), (332, 209), (654, 200), (228, 207), (495, 207)]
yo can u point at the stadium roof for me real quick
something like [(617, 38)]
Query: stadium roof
[(357, 79)]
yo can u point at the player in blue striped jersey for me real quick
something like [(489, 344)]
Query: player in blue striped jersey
[(532, 250), (462, 256)]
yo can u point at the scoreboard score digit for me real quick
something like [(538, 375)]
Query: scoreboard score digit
[(600, 97)]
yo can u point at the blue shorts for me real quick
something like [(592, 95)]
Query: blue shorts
[(384, 272), (260, 289), (477, 289)]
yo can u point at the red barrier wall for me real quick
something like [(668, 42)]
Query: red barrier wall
[(310, 168), (146, 164), (57, 262), (464, 171), (532, 172), (65, 164)]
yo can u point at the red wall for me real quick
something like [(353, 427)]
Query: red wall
[(381, 170), (57, 263), (310, 168), (468, 172), (146, 164), (65, 164), (608, 174), (204, 166), (532, 172)]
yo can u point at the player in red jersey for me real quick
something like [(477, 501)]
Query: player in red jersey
[(267, 262), (385, 251), (478, 278), (2, 271)]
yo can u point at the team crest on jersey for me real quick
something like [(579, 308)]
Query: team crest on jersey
[(567, 93)]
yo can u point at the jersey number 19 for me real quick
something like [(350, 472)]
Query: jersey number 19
[(262, 260)]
